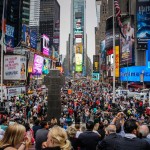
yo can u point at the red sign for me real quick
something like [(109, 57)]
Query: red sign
[(109, 52)]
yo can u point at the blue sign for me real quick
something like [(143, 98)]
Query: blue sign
[(132, 74), (9, 37), (143, 27), (33, 39), (95, 76), (46, 66), (29, 37)]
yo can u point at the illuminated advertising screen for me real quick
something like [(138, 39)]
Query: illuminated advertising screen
[(95, 63), (29, 37), (95, 76), (79, 48), (132, 74), (78, 59), (46, 66), (78, 68), (103, 52), (45, 45), (143, 25), (9, 38), (38, 65), (109, 34), (127, 42), (117, 61)]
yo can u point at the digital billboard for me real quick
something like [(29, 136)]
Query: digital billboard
[(95, 76), (38, 64), (9, 38), (143, 26), (46, 66), (109, 34), (95, 63), (132, 74), (127, 42), (117, 61), (103, 52), (45, 45), (14, 67), (29, 37), (78, 59), (78, 68), (79, 48)]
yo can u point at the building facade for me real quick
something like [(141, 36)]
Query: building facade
[(78, 44), (34, 15)]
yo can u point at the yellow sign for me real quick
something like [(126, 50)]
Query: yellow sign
[(79, 48), (117, 61)]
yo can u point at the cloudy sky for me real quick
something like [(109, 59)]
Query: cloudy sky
[(65, 25)]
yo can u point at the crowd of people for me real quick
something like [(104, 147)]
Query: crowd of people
[(90, 120)]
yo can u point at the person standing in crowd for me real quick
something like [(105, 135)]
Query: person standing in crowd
[(57, 140), (130, 141), (144, 131), (88, 140), (41, 135), (109, 142), (13, 137)]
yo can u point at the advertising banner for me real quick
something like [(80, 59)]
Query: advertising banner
[(95, 76), (9, 38), (29, 37), (78, 40), (127, 43), (30, 63), (95, 63), (143, 26), (45, 44), (109, 34), (38, 64), (78, 59), (14, 67), (46, 66), (78, 68), (79, 48), (15, 91), (132, 74), (117, 61), (103, 52)]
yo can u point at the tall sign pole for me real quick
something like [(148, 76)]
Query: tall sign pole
[(2, 49), (114, 56)]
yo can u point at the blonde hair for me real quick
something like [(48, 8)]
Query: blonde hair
[(71, 131), (60, 138), (14, 135)]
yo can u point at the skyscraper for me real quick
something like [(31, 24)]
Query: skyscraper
[(25, 12), (34, 15), (49, 19), (78, 50)]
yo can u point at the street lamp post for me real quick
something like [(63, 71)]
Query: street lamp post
[(114, 65)]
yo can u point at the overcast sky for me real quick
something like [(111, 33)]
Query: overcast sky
[(65, 25)]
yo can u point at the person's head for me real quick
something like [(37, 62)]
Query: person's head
[(57, 136), (90, 125), (131, 126), (71, 131), (14, 135), (110, 129), (44, 124), (143, 130), (77, 126), (37, 122)]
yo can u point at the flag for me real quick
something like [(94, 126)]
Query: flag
[(118, 16), (4, 16), (4, 25)]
